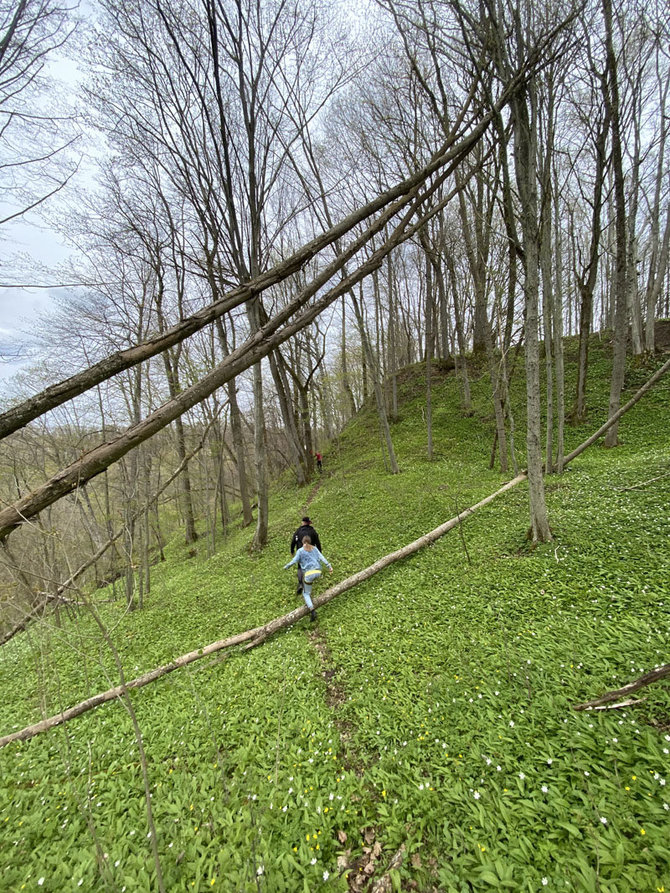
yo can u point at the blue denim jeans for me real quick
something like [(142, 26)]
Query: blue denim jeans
[(307, 595)]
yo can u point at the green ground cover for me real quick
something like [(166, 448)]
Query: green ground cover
[(431, 707)]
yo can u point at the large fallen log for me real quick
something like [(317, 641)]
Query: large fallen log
[(426, 540), (256, 636), (55, 395), (617, 415), (287, 322), (120, 690)]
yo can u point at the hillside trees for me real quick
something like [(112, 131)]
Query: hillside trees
[(278, 329), (615, 224), (223, 139), (226, 154)]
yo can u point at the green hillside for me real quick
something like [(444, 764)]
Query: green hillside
[(428, 709)]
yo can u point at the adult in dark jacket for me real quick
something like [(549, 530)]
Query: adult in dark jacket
[(305, 529)]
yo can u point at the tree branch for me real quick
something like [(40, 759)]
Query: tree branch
[(640, 682)]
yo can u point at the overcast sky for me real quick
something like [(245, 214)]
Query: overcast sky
[(21, 308)]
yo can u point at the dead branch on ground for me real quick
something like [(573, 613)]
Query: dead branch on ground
[(646, 679)]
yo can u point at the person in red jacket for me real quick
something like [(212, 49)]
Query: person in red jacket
[(319, 462), (305, 529)]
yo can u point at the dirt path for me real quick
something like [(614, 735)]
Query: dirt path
[(365, 871), (312, 495)]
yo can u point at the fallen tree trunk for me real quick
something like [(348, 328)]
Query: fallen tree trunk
[(253, 636), (120, 690), (617, 415), (57, 394), (258, 345), (280, 623), (399, 194), (640, 682)]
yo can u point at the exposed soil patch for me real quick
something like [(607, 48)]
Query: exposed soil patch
[(335, 695), (360, 869), (661, 724)]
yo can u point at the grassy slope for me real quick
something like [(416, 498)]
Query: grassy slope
[(432, 709)]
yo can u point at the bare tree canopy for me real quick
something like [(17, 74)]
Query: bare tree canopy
[(31, 142)]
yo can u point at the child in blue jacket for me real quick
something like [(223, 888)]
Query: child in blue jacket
[(309, 559)]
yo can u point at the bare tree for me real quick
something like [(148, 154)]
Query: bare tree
[(611, 94), (659, 245), (33, 167)]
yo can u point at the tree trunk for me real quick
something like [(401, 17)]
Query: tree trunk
[(558, 333), (238, 446), (495, 373), (392, 341), (238, 436), (547, 301), (379, 396), (525, 155), (654, 288), (460, 337), (261, 460), (659, 254), (185, 484), (298, 459), (429, 357), (345, 368), (620, 279)]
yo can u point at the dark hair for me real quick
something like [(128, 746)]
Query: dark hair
[(306, 520), (307, 539)]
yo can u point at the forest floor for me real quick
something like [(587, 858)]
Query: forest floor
[(421, 735)]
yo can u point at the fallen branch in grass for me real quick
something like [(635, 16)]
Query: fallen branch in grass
[(640, 682), (280, 623), (119, 691), (385, 883), (617, 415), (629, 702), (643, 484)]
